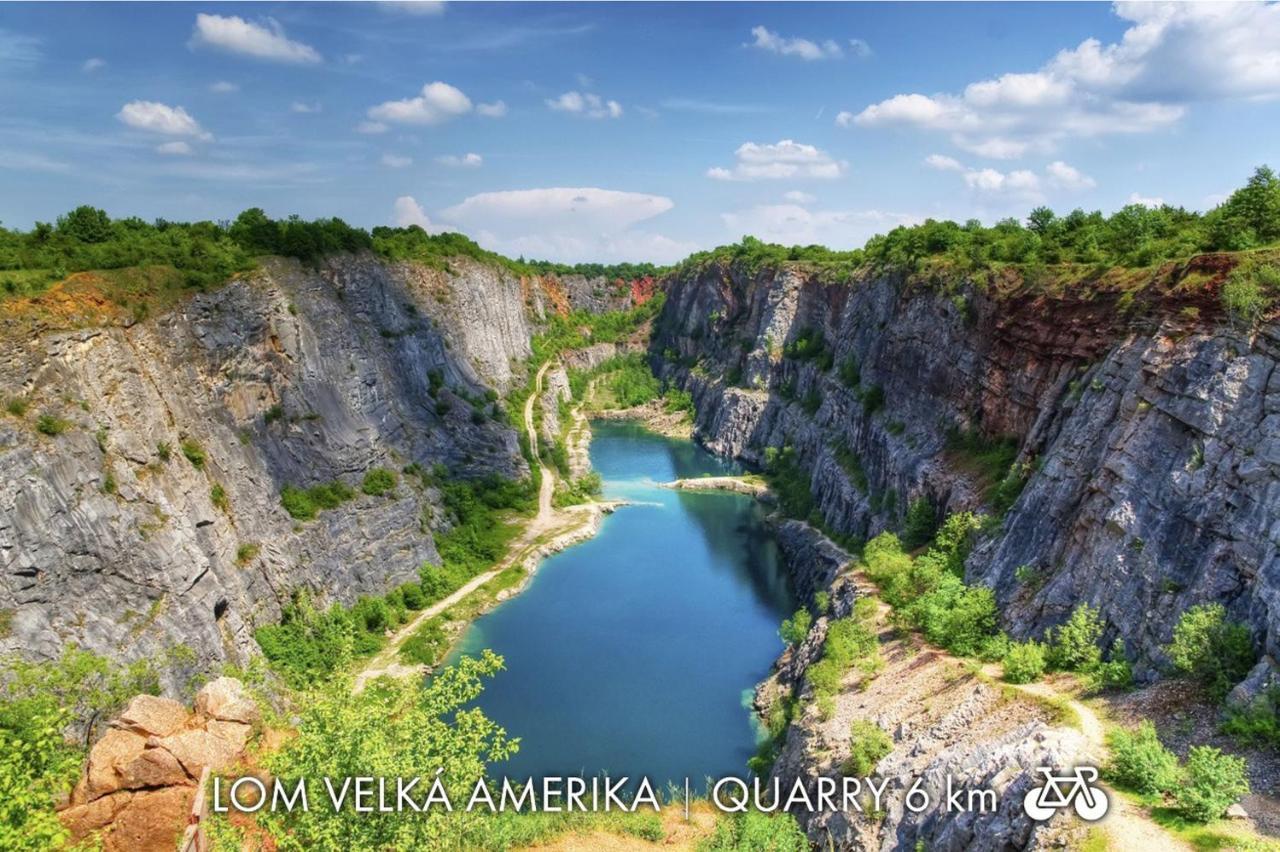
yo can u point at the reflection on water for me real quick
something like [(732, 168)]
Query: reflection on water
[(630, 653)]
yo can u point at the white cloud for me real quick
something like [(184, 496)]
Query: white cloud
[(435, 104), (844, 118), (93, 64), (785, 159), (943, 163), (1172, 55), (371, 127), (568, 223), (791, 224), (795, 196), (407, 211), (222, 87), (859, 48), (174, 149), (497, 109), (395, 161), (414, 7), (466, 161), (261, 41), (1020, 183), (1146, 200), (161, 118), (304, 108), (586, 103), (1063, 176), (801, 47)]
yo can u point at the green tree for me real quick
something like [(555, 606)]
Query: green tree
[(1211, 649), (1214, 782), (86, 224)]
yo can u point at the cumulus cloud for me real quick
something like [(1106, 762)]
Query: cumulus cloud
[(407, 211), (1019, 184), (795, 196), (1063, 176), (304, 108), (586, 103), (1172, 55), (466, 161), (791, 224), (395, 161), (177, 148), (155, 117), (772, 42), (435, 104), (497, 109), (1147, 200), (93, 64), (266, 40), (784, 159), (568, 223), (222, 87), (943, 163)]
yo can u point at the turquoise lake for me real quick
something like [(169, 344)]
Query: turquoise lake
[(635, 653)]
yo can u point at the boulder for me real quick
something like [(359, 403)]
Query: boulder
[(80, 820), (151, 822), (226, 700), (116, 749), (198, 749), (235, 733), (155, 767), (152, 716)]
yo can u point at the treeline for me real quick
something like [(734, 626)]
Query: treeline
[(1133, 236)]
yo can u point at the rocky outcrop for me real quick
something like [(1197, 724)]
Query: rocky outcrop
[(1144, 421), (141, 776), (140, 490)]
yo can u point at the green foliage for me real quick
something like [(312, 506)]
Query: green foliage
[(478, 535), (304, 504), (427, 644), (218, 496), (796, 628), (1259, 722), (630, 381), (1024, 662), (394, 729), (810, 345), (1116, 672), (850, 641), (1140, 761), (1214, 781), (921, 523), (48, 424), (789, 481), (1214, 651), (1073, 646), (993, 463), (17, 406), (872, 400), (379, 481), (868, 744), (194, 452), (164, 451), (583, 489), (851, 465), (754, 831), (753, 255), (246, 552), (309, 644)]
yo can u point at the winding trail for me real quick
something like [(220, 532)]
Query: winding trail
[(549, 530)]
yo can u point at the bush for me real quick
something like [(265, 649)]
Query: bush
[(378, 482), (921, 523), (1073, 646), (194, 452), (48, 424), (426, 645), (1214, 782), (1115, 673), (796, 628), (1024, 662), (1140, 761), (1245, 293), (753, 831), (218, 496), (1214, 651), (17, 406), (868, 744), (303, 504)]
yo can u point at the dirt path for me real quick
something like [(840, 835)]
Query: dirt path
[(546, 531)]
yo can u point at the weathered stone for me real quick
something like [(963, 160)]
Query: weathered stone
[(81, 820), (116, 749), (155, 767), (152, 821), (227, 700), (149, 715), (236, 734), (198, 749), (1236, 811)]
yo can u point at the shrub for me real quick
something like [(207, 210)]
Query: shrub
[(868, 744), (17, 406), (921, 523), (1074, 645), (1214, 782), (753, 831), (1140, 761), (872, 400), (1024, 662), (1245, 293), (194, 452), (48, 424), (305, 504), (164, 451), (246, 552), (426, 645), (378, 482), (1214, 651), (411, 595), (218, 496), (1115, 673), (796, 628)]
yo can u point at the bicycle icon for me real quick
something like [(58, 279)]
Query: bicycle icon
[(1058, 791)]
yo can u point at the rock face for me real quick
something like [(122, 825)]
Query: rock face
[(1147, 424), (141, 776), (140, 492)]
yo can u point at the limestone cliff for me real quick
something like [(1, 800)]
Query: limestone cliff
[(140, 475), (1147, 424)]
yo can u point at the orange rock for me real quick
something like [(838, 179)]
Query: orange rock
[(150, 715), (152, 821), (155, 767), (227, 700), (115, 750), (81, 820), (233, 732), (198, 749)]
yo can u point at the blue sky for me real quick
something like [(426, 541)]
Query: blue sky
[(616, 131)]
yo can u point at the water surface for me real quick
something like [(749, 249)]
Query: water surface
[(633, 653)]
